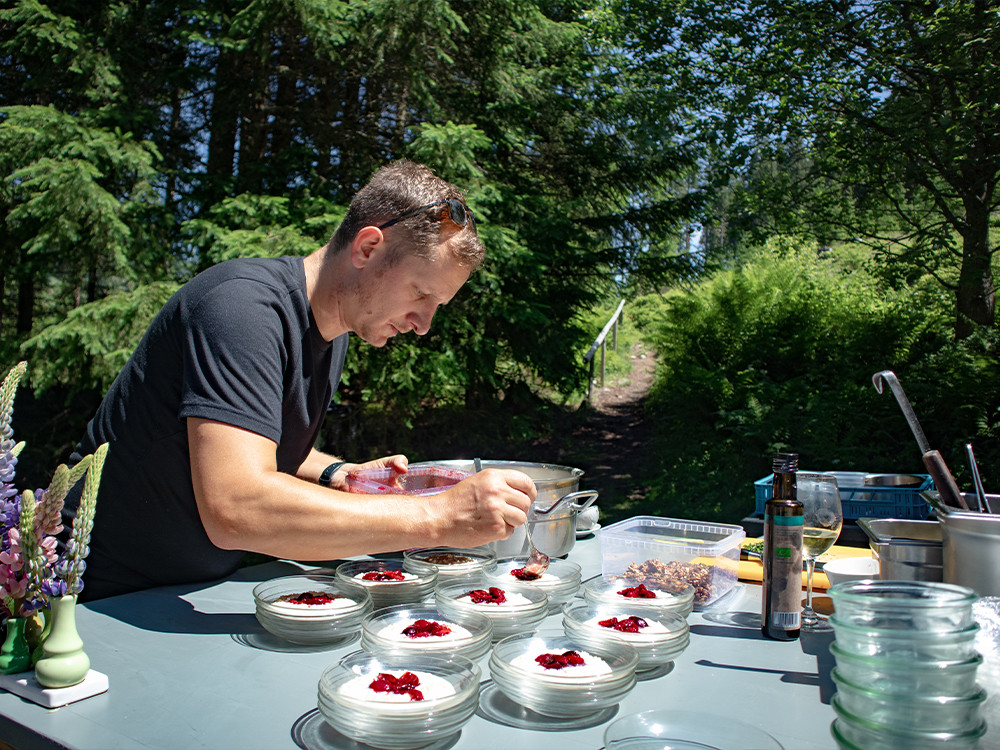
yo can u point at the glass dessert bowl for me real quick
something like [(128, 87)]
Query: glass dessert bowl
[(423, 628), (509, 611), (453, 564), (310, 609), (556, 675), (560, 581), (657, 637), (676, 598), (386, 581), (399, 700)]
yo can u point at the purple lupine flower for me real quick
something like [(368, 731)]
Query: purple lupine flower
[(55, 588)]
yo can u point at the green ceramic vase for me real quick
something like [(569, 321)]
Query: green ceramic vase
[(15, 656), (36, 631), (63, 661)]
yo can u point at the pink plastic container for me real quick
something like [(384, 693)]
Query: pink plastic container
[(419, 480)]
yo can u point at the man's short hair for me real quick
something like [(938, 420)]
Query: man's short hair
[(400, 187)]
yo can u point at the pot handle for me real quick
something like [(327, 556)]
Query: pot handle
[(579, 500)]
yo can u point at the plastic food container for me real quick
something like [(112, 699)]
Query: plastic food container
[(399, 725), (310, 620), (507, 618), (471, 636), (560, 582), (659, 643), (555, 692), (453, 564), (412, 588), (419, 480), (678, 599), (661, 552)]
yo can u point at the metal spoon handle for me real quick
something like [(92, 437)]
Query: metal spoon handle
[(984, 505), (933, 460), (904, 403)]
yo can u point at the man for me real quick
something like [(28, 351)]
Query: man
[(212, 422)]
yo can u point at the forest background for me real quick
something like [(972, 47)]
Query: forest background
[(790, 196)]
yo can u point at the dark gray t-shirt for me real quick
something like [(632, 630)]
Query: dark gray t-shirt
[(237, 344)]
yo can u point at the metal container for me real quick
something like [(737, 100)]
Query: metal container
[(553, 514), (907, 550), (894, 480), (972, 548)]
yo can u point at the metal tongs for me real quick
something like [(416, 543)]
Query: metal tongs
[(943, 480)]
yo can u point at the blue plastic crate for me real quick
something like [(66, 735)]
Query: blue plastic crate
[(870, 501)]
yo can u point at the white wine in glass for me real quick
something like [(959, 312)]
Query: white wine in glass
[(817, 540), (822, 521)]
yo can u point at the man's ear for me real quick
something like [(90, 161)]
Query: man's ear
[(367, 242)]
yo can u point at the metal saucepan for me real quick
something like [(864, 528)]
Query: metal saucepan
[(553, 514), (971, 547)]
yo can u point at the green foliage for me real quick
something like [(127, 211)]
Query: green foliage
[(882, 127), (260, 226), (93, 342), (779, 354)]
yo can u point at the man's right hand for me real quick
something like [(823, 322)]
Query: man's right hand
[(483, 508)]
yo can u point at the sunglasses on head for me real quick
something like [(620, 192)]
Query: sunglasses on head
[(459, 212)]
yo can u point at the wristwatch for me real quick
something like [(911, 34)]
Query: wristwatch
[(327, 476)]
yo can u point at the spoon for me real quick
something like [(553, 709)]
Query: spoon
[(984, 504), (933, 460), (538, 562)]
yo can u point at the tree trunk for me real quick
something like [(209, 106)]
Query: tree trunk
[(226, 98), (976, 295), (26, 303)]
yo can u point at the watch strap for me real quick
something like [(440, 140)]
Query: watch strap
[(327, 476)]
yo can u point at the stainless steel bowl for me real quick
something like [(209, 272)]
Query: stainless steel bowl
[(894, 480), (552, 515)]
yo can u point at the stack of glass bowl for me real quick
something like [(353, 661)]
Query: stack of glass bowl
[(906, 666)]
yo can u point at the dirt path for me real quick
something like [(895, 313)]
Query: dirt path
[(610, 439)]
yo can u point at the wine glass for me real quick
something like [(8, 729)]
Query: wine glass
[(822, 519)]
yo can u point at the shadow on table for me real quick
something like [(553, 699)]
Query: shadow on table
[(496, 707), (312, 732), (165, 611), (814, 644)]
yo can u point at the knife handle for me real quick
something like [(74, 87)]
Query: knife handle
[(944, 481)]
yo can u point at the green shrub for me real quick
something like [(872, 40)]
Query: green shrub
[(779, 355)]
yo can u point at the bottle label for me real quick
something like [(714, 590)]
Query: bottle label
[(784, 572)]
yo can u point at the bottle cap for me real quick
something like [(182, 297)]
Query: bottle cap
[(785, 462)]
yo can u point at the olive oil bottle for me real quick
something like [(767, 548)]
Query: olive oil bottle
[(781, 603)]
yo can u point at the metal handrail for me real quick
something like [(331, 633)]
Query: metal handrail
[(601, 341)]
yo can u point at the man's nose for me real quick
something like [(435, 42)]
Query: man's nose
[(421, 320)]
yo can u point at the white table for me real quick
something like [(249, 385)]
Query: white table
[(189, 667)]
